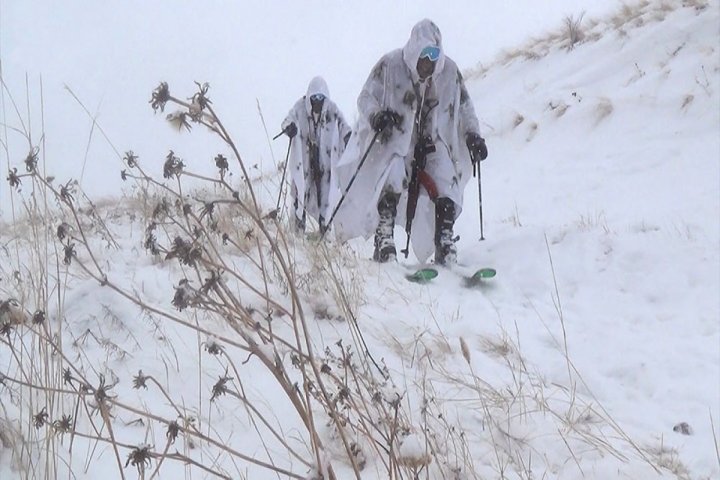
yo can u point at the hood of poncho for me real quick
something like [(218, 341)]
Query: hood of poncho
[(424, 34)]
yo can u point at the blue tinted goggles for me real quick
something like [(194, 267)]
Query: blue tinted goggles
[(317, 97), (432, 53)]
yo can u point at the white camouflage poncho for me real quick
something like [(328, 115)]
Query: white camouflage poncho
[(394, 84), (328, 130)]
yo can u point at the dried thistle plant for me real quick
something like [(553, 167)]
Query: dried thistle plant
[(160, 96)]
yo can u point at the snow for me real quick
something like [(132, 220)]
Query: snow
[(601, 203), (413, 451)]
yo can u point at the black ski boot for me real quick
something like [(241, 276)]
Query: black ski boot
[(384, 239), (445, 251)]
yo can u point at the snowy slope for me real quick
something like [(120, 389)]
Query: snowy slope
[(617, 166), (601, 199)]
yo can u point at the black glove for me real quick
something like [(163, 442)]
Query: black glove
[(290, 130), (477, 147), (383, 119), (347, 138)]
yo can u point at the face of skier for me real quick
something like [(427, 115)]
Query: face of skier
[(426, 63), (316, 102), (425, 68)]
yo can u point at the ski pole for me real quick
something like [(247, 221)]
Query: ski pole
[(347, 189), (479, 177), (282, 181)]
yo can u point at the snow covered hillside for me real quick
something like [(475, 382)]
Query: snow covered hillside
[(610, 153), (177, 333)]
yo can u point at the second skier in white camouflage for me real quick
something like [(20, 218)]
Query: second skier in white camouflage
[(318, 134)]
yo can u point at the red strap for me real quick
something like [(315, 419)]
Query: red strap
[(426, 181)]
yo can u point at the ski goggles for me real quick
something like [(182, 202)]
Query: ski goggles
[(317, 97), (431, 52)]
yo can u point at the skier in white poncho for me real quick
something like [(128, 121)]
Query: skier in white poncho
[(318, 134), (417, 126)]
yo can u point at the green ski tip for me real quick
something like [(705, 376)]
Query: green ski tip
[(484, 273), (423, 275), (480, 277)]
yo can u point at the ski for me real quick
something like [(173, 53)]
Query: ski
[(424, 275), (479, 277)]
